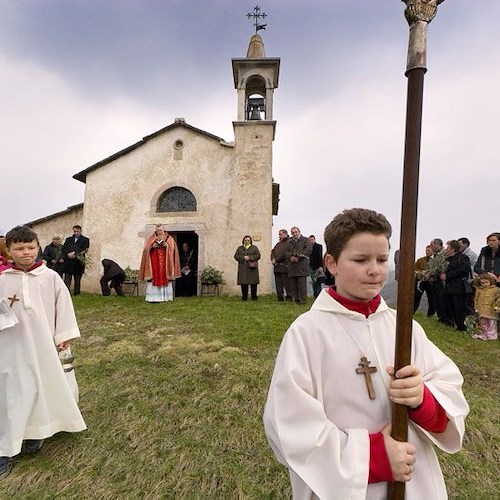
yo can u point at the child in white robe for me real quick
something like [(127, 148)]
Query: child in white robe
[(37, 399), (328, 412)]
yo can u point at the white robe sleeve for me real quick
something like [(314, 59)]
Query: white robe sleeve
[(66, 327), (444, 380), (332, 463)]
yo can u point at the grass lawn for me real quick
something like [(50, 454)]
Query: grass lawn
[(173, 397)]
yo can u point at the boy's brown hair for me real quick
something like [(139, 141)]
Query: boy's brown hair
[(20, 234), (350, 222)]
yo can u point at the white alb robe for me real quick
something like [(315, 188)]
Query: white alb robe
[(318, 413), (36, 399)]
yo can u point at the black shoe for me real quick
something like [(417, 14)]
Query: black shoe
[(6, 464), (254, 298), (32, 446), (281, 299)]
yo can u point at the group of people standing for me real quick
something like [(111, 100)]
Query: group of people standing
[(458, 283), (293, 258), (66, 259)]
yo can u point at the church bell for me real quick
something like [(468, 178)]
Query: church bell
[(255, 107)]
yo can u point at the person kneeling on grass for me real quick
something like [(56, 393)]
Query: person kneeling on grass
[(37, 398), (327, 415), (113, 277)]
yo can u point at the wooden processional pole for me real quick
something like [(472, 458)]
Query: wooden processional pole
[(418, 13)]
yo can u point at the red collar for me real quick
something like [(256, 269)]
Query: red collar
[(365, 308), (34, 266)]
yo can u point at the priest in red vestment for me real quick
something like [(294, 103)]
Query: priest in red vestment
[(160, 266)]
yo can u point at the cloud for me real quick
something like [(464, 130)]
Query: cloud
[(86, 79)]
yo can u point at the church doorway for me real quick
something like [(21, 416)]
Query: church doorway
[(188, 244)]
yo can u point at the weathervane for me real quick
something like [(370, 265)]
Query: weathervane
[(257, 15)]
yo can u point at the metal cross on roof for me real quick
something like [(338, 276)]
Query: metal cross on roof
[(257, 15)]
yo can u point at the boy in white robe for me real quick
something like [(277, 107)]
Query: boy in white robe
[(328, 412), (36, 398)]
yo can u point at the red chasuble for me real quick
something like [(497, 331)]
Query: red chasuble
[(158, 266)]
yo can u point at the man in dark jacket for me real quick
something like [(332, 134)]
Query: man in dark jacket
[(280, 264), (454, 278), (316, 264), (53, 256), (74, 249), (112, 273), (297, 252)]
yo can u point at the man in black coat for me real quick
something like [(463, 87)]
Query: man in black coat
[(74, 249), (297, 253), (53, 256), (280, 264), (112, 273), (316, 263), (454, 278)]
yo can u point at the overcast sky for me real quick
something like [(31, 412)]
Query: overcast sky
[(83, 79)]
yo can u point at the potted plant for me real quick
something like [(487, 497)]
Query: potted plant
[(211, 281)]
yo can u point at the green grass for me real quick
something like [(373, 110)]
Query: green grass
[(173, 397)]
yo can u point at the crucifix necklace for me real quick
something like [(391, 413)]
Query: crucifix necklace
[(12, 300), (364, 366), (367, 371)]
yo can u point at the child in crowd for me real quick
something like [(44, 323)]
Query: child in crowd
[(327, 415), (487, 296), (37, 399), (4, 256)]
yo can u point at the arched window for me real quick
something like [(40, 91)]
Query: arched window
[(177, 199)]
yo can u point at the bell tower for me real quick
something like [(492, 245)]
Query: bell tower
[(255, 78), (254, 195)]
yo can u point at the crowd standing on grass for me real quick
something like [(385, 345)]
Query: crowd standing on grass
[(326, 415), (38, 396), (454, 277), (446, 274)]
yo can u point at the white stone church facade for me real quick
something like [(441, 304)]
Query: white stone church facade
[(205, 191)]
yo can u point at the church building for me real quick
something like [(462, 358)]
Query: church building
[(204, 190)]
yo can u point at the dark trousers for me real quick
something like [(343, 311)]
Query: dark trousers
[(316, 287), (441, 302), (469, 303), (298, 285), (282, 286), (116, 283), (426, 287), (77, 278), (253, 292), (456, 309)]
